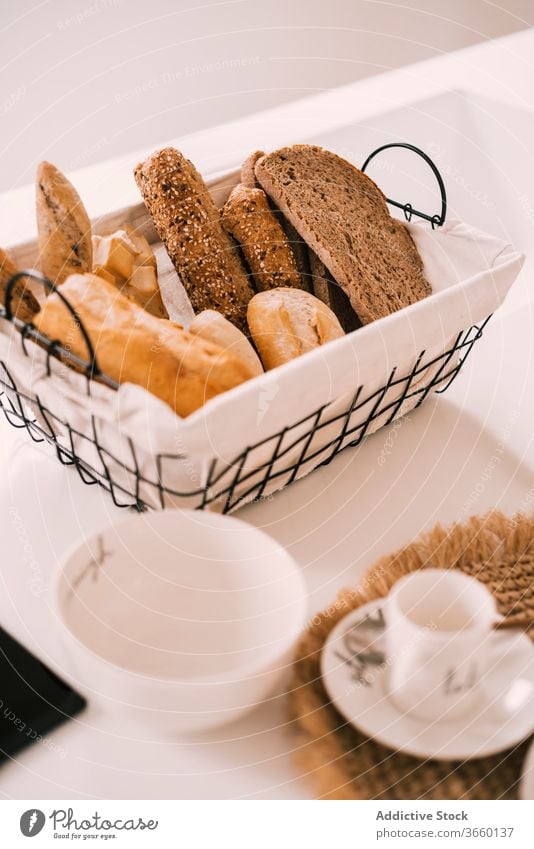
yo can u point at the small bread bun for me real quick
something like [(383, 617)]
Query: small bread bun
[(214, 327), (286, 323)]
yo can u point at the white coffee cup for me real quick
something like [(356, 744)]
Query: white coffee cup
[(438, 635), (184, 617)]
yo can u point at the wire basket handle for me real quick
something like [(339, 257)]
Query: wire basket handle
[(436, 220), (54, 346)]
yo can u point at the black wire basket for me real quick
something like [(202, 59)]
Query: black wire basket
[(259, 467)]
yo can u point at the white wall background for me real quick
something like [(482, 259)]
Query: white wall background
[(84, 80)]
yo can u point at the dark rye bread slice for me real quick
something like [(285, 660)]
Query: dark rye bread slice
[(327, 290), (344, 218), (189, 225)]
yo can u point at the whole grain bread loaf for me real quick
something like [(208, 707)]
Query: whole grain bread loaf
[(189, 225), (343, 216), (248, 217)]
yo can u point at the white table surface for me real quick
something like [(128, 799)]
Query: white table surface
[(463, 453)]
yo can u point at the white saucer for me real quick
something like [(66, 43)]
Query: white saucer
[(526, 787), (355, 673)]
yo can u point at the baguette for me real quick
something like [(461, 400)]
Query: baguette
[(188, 223), (247, 216), (343, 217), (286, 323), (23, 303), (133, 346), (63, 226)]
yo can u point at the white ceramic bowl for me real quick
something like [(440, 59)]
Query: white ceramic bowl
[(186, 617)]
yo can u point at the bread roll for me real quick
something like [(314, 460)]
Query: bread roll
[(344, 218), (248, 217), (286, 323), (133, 346), (23, 304), (63, 226), (188, 223), (214, 327)]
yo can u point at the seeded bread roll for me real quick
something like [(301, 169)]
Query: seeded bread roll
[(188, 223), (214, 327), (247, 216), (298, 247), (344, 218), (23, 304), (133, 346), (326, 289), (63, 226), (286, 323)]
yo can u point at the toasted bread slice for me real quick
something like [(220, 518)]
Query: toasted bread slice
[(344, 218)]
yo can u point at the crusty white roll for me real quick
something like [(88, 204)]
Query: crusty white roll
[(286, 323)]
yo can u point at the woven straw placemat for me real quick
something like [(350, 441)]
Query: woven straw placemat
[(344, 764)]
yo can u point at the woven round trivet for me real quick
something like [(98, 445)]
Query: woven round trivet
[(342, 762)]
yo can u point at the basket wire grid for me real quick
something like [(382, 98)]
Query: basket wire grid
[(234, 482)]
